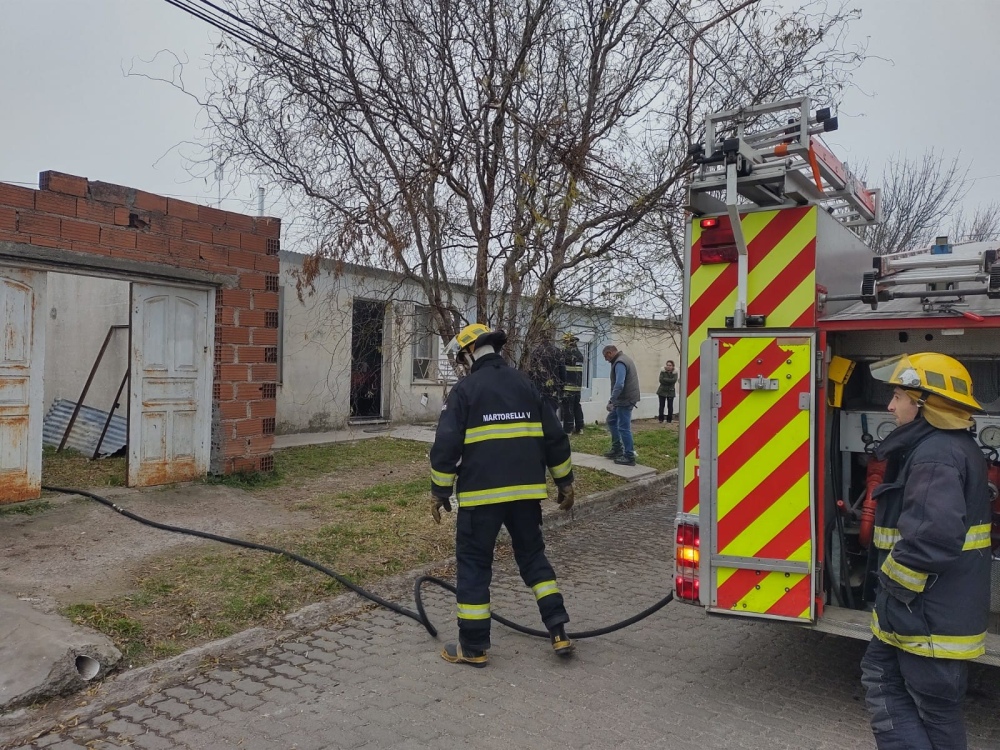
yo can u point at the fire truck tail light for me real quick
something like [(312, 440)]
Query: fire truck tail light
[(724, 254), (686, 588), (717, 243), (688, 559), (688, 536)]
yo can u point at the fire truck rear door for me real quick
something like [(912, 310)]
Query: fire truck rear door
[(757, 470)]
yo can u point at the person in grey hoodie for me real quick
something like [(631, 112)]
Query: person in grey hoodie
[(667, 390)]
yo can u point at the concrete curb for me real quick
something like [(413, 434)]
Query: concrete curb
[(19, 726), (629, 495)]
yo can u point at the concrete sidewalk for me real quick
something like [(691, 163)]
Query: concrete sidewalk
[(421, 433), (425, 434)]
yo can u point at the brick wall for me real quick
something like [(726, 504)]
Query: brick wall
[(97, 218)]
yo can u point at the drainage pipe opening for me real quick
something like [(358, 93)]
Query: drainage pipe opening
[(87, 667)]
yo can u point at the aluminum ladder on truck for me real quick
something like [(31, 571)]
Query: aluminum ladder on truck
[(770, 156), (947, 273)]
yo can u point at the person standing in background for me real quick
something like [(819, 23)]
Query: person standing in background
[(667, 390), (624, 398), (572, 412), (546, 368)]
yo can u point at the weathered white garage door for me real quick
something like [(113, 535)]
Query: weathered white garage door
[(170, 403), (22, 354)]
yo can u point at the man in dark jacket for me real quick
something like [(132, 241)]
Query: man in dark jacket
[(624, 398), (572, 359), (932, 533), (495, 439)]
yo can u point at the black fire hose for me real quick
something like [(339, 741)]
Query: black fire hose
[(420, 615)]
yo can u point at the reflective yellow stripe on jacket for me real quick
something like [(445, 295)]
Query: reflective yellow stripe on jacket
[(558, 472), (885, 537), (502, 495), (441, 479), (909, 578), (978, 537), (503, 430), (936, 646)]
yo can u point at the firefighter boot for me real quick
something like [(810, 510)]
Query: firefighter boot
[(454, 654), (562, 645)]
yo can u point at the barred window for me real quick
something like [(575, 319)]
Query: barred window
[(424, 344)]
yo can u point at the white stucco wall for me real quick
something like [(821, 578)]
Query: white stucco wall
[(79, 310), (650, 343), (314, 394)]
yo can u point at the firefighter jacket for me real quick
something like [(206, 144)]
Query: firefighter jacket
[(547, 369), (573, 367), (932, 531), (495, 439)]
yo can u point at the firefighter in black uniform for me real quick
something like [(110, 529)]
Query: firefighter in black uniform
[(495, 439), (572, 412), (546, 369), (932, 534)]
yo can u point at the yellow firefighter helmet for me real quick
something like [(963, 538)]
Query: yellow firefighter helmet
[(473, 335), (932, 373)]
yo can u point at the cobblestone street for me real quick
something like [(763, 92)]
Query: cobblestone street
[(677, 680)]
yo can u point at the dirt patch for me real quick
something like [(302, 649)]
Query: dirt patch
[(360, 509), (301, 494), (69, 550), (78, 550), (74, 550)]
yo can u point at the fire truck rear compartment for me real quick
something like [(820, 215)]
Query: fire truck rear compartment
[(776, 257), (852, 433)]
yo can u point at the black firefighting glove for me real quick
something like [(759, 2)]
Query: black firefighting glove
[(437, 503), (566, 496)]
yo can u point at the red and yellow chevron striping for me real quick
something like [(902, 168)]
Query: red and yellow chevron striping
[(763, 474), (778, 594), (781, 284)]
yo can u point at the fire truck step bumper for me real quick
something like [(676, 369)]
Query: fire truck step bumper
[(853, 623)]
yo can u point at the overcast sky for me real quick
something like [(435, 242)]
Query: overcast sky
[(68, 106)]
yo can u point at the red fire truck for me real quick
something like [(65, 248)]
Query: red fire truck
[(785, 308)]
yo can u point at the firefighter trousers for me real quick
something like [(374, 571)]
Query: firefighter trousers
[(915, 702), (475, 539), (572, 412)]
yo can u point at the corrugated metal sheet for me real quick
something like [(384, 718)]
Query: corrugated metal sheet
[(86, 429)]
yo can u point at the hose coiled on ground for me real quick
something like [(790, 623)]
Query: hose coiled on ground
[(420, 615)]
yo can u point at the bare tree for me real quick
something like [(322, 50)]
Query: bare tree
[(984, 224), (918, 195), (523, 146), (921, 198)]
